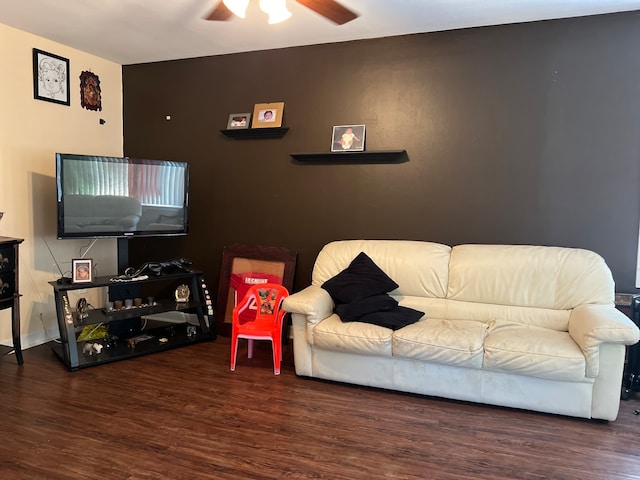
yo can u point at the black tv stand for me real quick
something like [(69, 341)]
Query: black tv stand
[(153, 335)]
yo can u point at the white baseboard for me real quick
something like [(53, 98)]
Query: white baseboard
[(31, 340)]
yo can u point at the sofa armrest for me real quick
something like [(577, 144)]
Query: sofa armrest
[(128, 222), (592, 325), (313, 302)]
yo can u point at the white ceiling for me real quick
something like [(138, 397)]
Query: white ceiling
[(139, 31)]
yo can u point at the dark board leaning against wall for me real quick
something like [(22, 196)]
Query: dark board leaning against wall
[(515, 134)]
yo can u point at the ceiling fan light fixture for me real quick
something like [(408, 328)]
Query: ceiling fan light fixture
[(276, 9), (238, 7)]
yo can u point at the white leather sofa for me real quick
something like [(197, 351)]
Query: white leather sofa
[(529, 327)]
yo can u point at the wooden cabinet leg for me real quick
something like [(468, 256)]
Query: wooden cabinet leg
[(15, 330)]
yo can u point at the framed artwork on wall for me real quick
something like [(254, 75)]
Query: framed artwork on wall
[(267, 115), (50, 77), (90, 92), (347, 138), (247, 265)]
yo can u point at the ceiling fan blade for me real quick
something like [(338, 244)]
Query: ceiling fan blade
[(220, 13), (331, 10)]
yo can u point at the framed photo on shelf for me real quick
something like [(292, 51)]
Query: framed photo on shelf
[(267, 115), (82, 270), (347, 138), (50, 77), (238, 121)]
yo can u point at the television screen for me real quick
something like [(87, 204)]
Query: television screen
[(101, 196)]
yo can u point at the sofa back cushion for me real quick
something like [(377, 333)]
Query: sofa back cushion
[(529, 276), (419, 268)]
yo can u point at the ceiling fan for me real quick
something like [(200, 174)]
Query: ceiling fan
[(330, 9)]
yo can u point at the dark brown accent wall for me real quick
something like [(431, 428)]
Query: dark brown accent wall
[(524, 133)]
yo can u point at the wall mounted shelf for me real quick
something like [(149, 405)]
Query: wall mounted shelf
[(374, 156), (251, 133)]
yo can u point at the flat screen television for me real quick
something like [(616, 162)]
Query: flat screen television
[(100, 196)]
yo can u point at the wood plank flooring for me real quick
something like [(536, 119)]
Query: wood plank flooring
[(182, 414)]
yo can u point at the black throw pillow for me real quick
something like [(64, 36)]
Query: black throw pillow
[(362, 278), (394, 319), (352, 311)]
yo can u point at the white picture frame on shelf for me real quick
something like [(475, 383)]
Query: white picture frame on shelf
[(348, 138)]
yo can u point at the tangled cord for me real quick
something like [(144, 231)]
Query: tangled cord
[(158, 268)]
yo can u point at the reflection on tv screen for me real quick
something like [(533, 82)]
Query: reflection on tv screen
[(112, 196)]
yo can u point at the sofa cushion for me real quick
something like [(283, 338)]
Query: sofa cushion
[(533, 351), (395, 319), (419, 268), (538, 317), (449, 342), (529, 276), (354, 337), (352, 311), (362, 278)]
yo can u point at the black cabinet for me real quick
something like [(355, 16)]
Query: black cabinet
[(129, 315), (630, 305), (9, 291)]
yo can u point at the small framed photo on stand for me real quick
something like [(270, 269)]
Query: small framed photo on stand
[(82, 270)]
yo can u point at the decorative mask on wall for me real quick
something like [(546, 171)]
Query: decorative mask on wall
[(90, 94)]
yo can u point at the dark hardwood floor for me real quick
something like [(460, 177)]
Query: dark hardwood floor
[(182, 414)]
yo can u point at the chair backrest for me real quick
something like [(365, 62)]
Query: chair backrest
[(266, 300)]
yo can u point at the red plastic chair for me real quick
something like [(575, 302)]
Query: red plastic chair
[(266, 299)]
